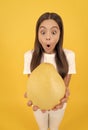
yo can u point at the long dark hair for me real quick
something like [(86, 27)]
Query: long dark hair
[(60, 58)]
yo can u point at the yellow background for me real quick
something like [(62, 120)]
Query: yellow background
[(17, 30)]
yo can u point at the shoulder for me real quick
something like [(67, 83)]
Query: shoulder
[(69, 53), (28, 53), (27, 61)]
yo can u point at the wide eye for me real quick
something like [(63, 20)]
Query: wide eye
[(42, 32), (54, 32)]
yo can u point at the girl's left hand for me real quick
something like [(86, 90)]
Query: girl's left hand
[(63, 100)]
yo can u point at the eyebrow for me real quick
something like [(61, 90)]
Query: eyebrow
[(51, 27)]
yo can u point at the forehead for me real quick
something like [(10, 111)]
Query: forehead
[(49, 23)]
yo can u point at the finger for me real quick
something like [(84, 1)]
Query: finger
[(54, 109), (67, 92), (64, 100), (35, 108), (29, 103), (43, 111), (25, 95), (59, 106)]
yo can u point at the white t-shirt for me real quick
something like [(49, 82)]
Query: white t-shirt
[(50, 58)]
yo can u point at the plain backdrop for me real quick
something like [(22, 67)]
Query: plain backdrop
[(17, 31)]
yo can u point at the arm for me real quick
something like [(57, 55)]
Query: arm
[(72, 70), (29, 103), (67, 80), (25, 94), (67, 93)]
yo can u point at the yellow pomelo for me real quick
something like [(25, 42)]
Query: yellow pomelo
[(45, 86)]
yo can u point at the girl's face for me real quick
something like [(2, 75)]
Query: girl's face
[(48, 35)]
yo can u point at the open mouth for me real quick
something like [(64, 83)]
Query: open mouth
[(48, 45)]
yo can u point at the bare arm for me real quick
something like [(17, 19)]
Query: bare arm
[(29, 103), (28, 75), (67, 80), (25, 94), (67, 93)]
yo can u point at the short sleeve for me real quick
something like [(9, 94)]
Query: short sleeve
[(27, 62), (70, 55)]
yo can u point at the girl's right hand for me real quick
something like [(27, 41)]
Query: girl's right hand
[(29, 103)]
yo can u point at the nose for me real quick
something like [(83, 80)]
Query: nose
[(48, 37)]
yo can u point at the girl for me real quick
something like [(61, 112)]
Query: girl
[(48, 48)]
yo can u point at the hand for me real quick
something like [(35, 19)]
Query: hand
[(29, 103), (63, 100)]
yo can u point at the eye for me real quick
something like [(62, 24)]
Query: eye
[(54, 32), (42, 32)]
